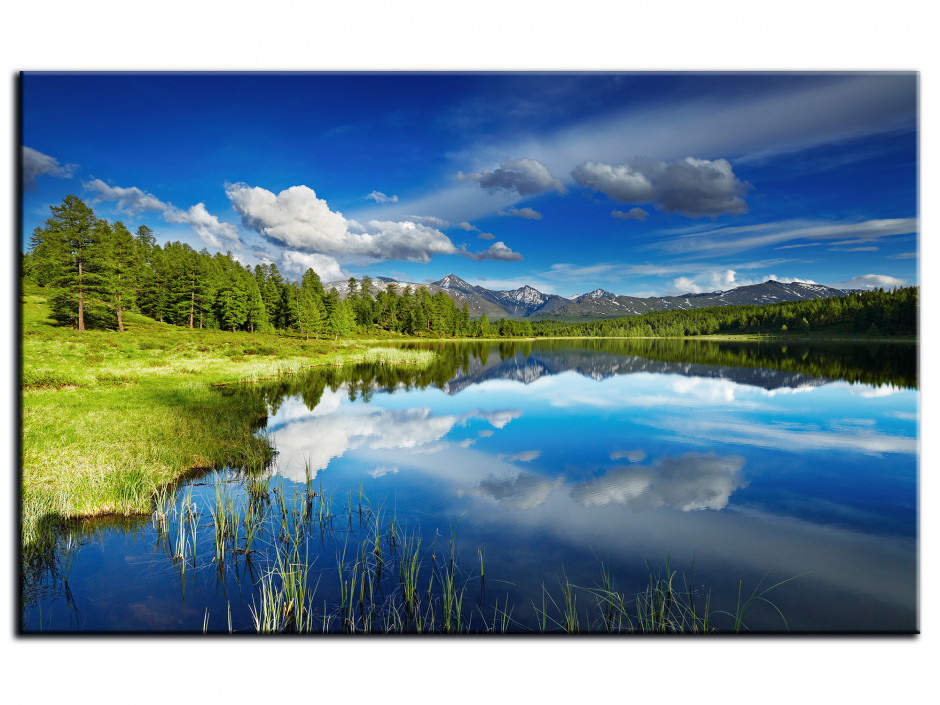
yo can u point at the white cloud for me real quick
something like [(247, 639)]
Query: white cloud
[(721, 241), (871, 281), (326, 267), (297, 218), (208, 227), (467, 226), (709, 281), (692, 187), (525, 491), (523, 457), (380, 197), (634, 456), (787, 436), (133, 201), (690, 482), (529, 213), (724, 279), (632, 214), (527, 177), (428, 220), (382, 470), (36, 164), (486, 236), (497, 251)]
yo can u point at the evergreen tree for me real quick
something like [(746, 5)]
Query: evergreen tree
[(71, 248), (311, 306), (257, 316), (127, 265)]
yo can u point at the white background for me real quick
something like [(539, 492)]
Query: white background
[(496, 35)]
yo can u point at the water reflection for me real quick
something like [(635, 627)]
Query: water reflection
[(552, 456), (691, 481), (748, 468)]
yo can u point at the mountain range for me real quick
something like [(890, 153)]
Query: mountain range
[(528, 302)]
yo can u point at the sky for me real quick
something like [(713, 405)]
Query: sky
[(643, 184)]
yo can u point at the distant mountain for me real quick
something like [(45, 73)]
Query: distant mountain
[(528, 367), (528, 302), (770, 292)]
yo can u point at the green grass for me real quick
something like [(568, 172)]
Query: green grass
[(108, 417)]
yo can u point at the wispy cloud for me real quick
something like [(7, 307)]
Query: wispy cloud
[(871, 281), (722, 241), (528, 213), (380, 197), (36, 164)]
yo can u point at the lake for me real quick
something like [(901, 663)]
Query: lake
[(589, 485)]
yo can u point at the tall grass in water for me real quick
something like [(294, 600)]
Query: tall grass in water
[(224, 520), (757, 595), (286, 598)]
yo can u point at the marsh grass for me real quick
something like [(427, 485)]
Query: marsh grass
[(107, 417), (389, 579)]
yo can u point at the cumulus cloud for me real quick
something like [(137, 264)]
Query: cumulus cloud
[(691, 187), (133, 201), (528, 213), (871, 281), (486, 236), (499, 252), (297, 218), (380, 197), (326, 267), (632, 214), (719, 280), (36, 164), (689, 482), (467, 226), (527, 177), (724, 279), (208, 227)]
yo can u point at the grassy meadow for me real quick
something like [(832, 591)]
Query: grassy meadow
[(108, 417)]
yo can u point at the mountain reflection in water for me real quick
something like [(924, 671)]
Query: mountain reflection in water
[(736, 462)]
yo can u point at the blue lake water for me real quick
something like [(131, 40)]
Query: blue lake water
[(550, 461)]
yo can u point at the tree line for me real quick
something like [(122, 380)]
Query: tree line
[(97, 271), (876, 313)]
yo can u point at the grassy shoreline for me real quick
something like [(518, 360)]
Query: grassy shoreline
[(108, 418)]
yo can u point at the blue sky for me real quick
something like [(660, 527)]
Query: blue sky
[(641, 184)]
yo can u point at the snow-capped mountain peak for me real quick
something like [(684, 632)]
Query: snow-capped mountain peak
[(452, 281)]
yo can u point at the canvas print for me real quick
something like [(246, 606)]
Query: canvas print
[(469, 353)]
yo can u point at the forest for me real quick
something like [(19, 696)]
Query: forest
[(872, 314), (96, 271)]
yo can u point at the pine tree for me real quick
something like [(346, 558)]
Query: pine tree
[(232, 296), (310, 303), (72, 251), (127, 265), (257, 317)]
